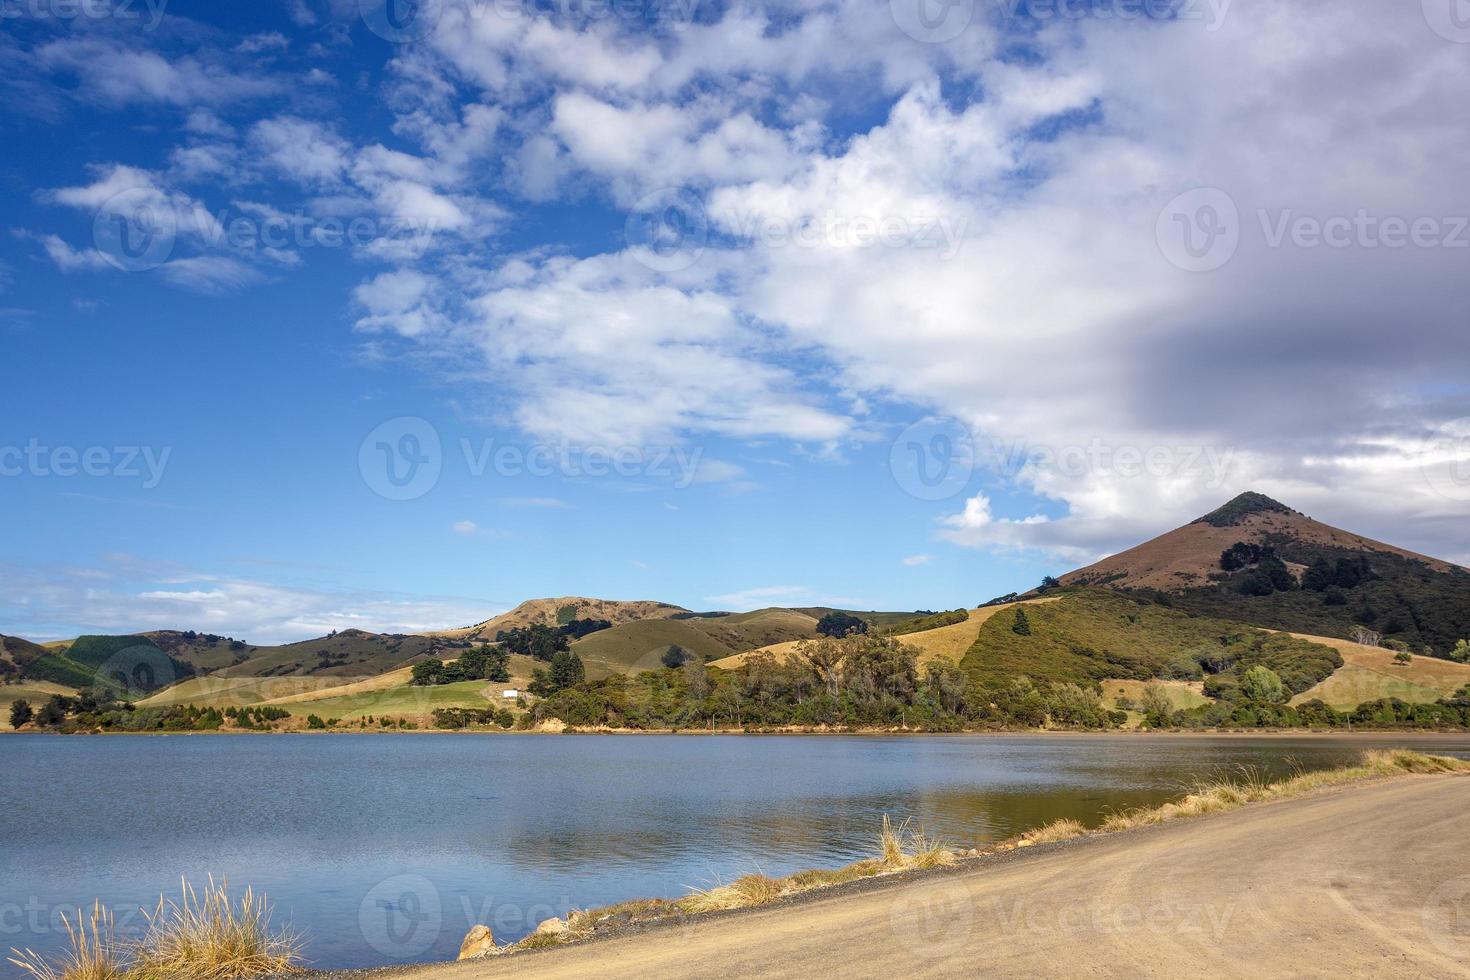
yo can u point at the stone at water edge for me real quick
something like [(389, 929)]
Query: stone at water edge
[(477, 942), (551, 927)]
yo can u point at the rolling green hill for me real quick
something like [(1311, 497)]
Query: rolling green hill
[(350, 653), (1091, 635), (638, 645), (130, 665), (874, 619)]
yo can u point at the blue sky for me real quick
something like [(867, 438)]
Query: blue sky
[(769, 258)]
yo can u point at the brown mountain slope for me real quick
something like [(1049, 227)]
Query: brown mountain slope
[(1187, 557), (17, 654), (554, 612)]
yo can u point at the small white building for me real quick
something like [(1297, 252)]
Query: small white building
[(510, 693)]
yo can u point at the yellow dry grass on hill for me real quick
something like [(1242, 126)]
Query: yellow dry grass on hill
[(382, 682), (949, 641), (520, 667), (1369, 673), (213, 691), (35, 693), (1183, 694)]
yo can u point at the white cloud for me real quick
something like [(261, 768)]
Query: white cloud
[(398, 301), (600, 352), (466, 528), (115, 75), (209, 274), (552, 503), (125, 595), (762, 596), (302, 149), (913, 561), (1050, 319), (69, 259)]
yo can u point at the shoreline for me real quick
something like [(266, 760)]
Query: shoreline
[(995, 866), (1119, 733)]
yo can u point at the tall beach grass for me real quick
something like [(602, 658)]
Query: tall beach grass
[(203, 935)]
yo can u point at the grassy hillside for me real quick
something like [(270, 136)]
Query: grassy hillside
[(1181, 694), (1403, 599), (1370, 673), (130, 665), (949, 641), (35, 692), (203, 651), (1096, 634), (874, 618), (214, 691), (637, 646), (350, 653), (17, 654), (562, 610), (761, 627), (406, 701)]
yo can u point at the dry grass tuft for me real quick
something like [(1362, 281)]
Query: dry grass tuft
[(890, 843), (202, 936), (538, 940), (744, 892), (906, 846), (820, 878), (208, 936), (94, 953), (1063, 829)]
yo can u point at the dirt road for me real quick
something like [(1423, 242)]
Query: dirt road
[(1369, 881)]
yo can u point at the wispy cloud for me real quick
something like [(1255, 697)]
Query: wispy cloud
[(122, 594), (765, 595), (552, 503)]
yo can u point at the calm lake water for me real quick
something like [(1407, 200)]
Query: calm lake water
[(386, 848)]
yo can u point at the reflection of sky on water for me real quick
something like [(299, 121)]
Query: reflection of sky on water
[(520, 828)]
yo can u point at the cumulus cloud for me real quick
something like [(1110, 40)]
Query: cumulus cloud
[(991, 249), (601, 352), (977, 228), (302, 149)]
